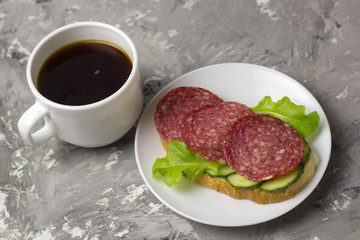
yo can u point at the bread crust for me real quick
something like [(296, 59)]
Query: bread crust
[(255, 194)]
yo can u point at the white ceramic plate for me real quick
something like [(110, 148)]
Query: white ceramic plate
[(247, 84)]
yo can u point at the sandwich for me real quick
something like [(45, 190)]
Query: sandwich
[(256, 153)]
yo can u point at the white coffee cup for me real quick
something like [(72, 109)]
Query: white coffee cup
[(92, 125)]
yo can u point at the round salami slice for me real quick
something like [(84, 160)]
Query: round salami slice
[(204, 130), (173, 107), (261, 147)]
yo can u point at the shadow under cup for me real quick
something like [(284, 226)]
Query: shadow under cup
[(96, 124)]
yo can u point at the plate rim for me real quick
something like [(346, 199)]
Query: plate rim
[(205, 68)]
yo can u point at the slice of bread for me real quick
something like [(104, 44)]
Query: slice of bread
[(255, 194)]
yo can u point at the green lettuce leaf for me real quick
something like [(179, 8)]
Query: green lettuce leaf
[(180, 159), (291, 113)]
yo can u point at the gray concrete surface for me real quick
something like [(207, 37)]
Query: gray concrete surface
[(59, 191)]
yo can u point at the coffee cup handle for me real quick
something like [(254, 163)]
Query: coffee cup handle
[(28, 121)]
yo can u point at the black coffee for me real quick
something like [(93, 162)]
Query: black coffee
[(83, 72)]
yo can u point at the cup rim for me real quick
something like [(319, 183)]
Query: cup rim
[(40, 97)]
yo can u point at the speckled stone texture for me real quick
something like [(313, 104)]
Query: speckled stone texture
[(60, 191)]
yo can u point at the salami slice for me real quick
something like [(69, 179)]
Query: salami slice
[(261, 147), (203, 130), (174, 106)]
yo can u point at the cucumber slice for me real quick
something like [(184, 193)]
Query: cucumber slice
[(223, 171), (284, 181), (238, 181), (307, 151)]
